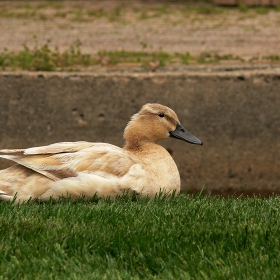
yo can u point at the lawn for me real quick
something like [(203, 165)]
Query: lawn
[(185, 237)]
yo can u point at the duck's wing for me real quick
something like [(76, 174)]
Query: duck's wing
[(62, 147), (68, 159)]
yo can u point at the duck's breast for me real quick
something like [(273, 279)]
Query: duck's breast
[(161, 171)]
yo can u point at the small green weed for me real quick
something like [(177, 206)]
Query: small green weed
[(25, 14), (51, 4), (262, 10), (272, 57), (243, 8), (202, 9), (115, 14), (44, 58), (60, 14), (208, 57), (185, 58), (98, 13), (23, 6)]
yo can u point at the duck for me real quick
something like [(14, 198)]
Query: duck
[(75, 169)]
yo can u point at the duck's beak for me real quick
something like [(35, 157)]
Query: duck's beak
[(181, 133)]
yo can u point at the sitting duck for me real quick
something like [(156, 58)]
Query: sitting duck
[(74, 169)]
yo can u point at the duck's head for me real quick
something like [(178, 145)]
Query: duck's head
[(155, 122)]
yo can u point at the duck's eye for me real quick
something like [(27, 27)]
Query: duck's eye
[(161, 115)]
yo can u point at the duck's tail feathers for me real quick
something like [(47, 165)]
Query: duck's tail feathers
[(4, 196), (12, 151)]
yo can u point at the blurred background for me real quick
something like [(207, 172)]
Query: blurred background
[(173, 32), (77, 70)]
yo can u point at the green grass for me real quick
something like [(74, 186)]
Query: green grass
[(187, 237), (272, 57), (44, 58)]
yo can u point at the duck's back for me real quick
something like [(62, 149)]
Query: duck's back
[(66, 169)]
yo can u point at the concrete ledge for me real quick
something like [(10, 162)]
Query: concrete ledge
[(236, 114)]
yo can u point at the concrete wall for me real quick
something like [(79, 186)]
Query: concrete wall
[(236, 115)]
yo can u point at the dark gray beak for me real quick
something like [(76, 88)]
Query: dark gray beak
[(181, 133)]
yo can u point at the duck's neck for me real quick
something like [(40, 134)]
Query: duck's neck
[(149, 152), (137, 136), (138, 146)]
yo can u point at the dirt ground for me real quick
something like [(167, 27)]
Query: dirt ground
[(114, 25)]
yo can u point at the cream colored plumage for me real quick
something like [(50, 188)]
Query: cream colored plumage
[(82, 168)]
